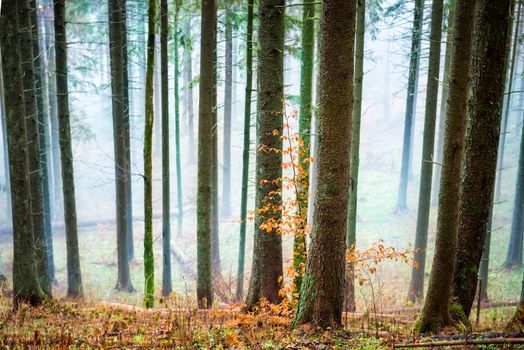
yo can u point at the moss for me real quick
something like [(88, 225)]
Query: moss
[(458, 315)]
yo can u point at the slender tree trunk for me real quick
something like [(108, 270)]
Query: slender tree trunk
[(188, 78), (74, 276), (149, 263), (436, 314), (178, 152), (9, 212), (205, 153), (228, 90), (416, 287), (507, 97), (482, 137), (116, 41), (267, 267), (26, 286), (322, 298), (410, 104), (304, 130), (245, 152), (166, 207), (439, 153), (354, 160), (215, 234)]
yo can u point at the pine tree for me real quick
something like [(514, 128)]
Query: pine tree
[(228, 95)]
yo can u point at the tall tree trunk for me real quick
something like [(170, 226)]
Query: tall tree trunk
[(149, 262), (267, 267), (228, 90), (439, 153), (322, 298), (9, 211), (74, 276), (178, 151), (215, 234), (26, 286), (166, 206), (354, 159), (436, 314), (245, 152), (510, 68), (410, 104), (205, 152), (416, 287), (482, 137), (188, 78), (304, 130), (116, 41)]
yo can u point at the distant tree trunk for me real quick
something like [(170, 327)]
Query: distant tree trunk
[(74, 276), (188, 78), (26, 286), (510, 64), (166, 207), (304, 130), (9, 212), (267, 267), (215, 234), (178, 151), (149, 263), (410, 104), (205, 153), (30, 80), (439, 153), (436, 315), (228, 90), (481, 143), (116, 41), (416, 287), (245, 152), (354, 159), (322, 298)]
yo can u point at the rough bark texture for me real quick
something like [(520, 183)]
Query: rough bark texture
[(482, 137), (418, 19), (149, 263), (322, 298), (267, 251), (228, 94), (116, 18), (436, 314), (205, 150), (74, 276), (26, 286), (245, 153), (416, 287)]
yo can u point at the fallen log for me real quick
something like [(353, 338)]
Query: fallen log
[(462, 342)]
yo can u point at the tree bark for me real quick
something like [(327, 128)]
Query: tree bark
[(228, 90), (322, 298), (481, 143), (188, 78), (178, 151)]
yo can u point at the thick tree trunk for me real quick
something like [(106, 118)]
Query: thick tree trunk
[(322, 298), (26, 286), (228, 91), (436, 314), (205, 152), (116, 41), (481, 143), (418, 19), (74, 276), (149, 263), (188, 78), (416, 287), (245, 153), (267, 267)]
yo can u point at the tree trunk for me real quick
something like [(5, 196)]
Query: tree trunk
[(481, 143), (178, 151), (74, 276), (410, 104), (267, 267), (116, 41), (215, 234), (205, 152), (416, 287), (26, 286), (484, 260), (149, 263), (436, 314), (516, 324), (245, 152), (322, 298), (9, 212), (304, 130), (188, 78), (228, 90)]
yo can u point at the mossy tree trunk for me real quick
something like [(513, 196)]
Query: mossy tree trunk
[(416, 287), (492, 21), (267, 267), (322, 298), (74, 276), (436, 315)]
